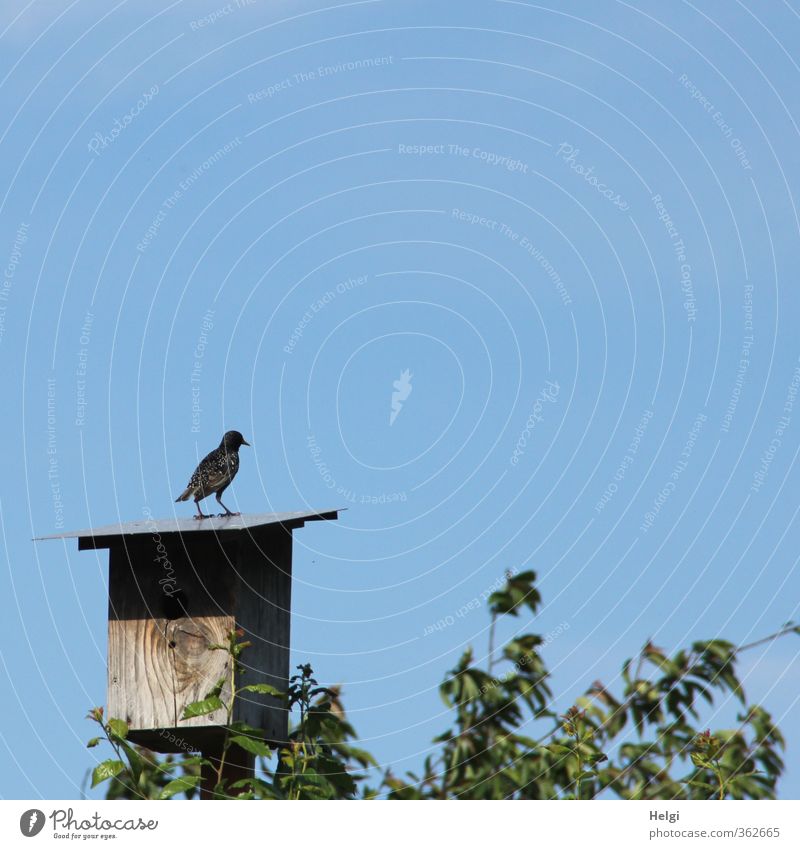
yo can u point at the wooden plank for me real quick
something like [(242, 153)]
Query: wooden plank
[(264, 599), (159, 661)]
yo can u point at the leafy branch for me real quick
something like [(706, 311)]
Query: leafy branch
[(643, 742)]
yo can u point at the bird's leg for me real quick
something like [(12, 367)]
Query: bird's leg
[(227, 512), (200, 513)]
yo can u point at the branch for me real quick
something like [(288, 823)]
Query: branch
[(789, 628)]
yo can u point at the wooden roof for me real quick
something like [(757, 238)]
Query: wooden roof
[(107, 535)]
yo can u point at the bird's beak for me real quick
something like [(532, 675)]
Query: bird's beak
[(245, 442)]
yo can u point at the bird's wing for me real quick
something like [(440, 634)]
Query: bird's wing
[(216, 478), (216, 470)]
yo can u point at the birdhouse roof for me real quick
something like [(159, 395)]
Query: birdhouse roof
[(105, 536)]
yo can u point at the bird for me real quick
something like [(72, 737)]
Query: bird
[(215, 471)]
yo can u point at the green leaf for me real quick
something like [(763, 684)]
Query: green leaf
[(265, 689), (135, 761), (244, 728), (169, 766), (179, 785), (118, 727), (203, 707), (105, 770), (361, 755), (702, 784), (249, 744), (218, 687), (237, 648), (256, 786), (194, 760), (93, 742)]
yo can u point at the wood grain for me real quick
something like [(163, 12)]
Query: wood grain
[(169, 600)]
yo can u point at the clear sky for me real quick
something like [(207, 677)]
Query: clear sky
[(564, 237)]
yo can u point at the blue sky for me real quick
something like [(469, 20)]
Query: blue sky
[(573, 225)]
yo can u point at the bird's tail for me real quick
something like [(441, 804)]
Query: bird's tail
[(185, 495)]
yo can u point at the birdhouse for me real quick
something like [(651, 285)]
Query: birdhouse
[(177, 587)]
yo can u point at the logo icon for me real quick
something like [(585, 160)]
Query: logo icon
[(31, 822), (402, 389)]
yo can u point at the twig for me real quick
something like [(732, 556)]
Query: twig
[(787, 629), (491, 643)]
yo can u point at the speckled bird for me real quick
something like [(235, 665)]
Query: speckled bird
[(215, 472)]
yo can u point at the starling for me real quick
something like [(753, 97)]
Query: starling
[(215, 472)]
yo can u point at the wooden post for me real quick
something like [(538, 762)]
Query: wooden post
[(238, 765)]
